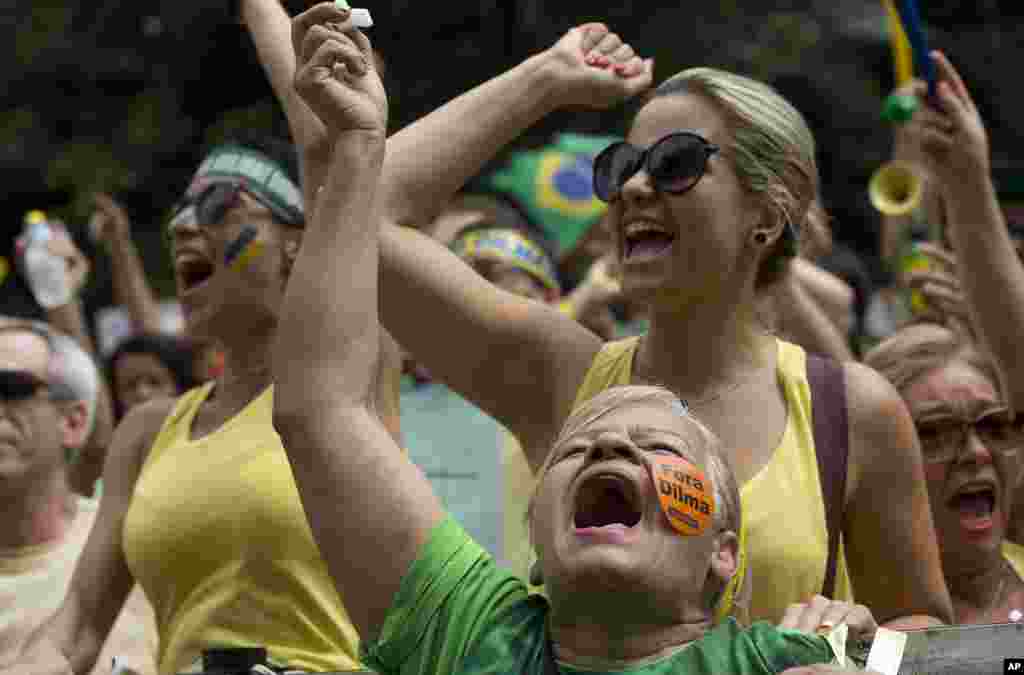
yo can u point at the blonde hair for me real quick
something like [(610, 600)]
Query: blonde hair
[(772, 151), (921, 348)]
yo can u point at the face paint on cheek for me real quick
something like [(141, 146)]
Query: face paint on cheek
[(244, 249), (684, 494)]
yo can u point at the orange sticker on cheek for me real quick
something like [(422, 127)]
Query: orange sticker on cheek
[(685, 496)]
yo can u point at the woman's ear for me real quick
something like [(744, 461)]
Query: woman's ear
[(74, 418), (725, 558), (767, 229)]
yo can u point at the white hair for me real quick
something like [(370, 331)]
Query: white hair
[(72, 373)]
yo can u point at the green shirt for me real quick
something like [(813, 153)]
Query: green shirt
[(459, 613)]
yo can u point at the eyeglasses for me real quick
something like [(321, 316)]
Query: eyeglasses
[(943, 439), (19, 385), (209, 203), (675, 164)]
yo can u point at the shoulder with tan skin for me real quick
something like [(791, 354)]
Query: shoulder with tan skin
[(101, 581), (891, 547)]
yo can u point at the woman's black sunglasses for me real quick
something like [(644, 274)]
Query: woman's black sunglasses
[(19, 385), (675, 164)]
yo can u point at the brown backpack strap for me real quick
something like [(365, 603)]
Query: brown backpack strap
[(831, 443)]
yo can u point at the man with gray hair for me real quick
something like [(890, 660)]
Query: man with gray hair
[(48, 392)]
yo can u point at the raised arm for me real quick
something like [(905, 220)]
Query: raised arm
[(370, 509), (517, 360), (888, 536), (70, 642), (271, 31), (802, 319), (992, 276), (131, 289)]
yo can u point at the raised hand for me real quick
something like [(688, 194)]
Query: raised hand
[(595, 68), (335, 73), (952, 135), (109, 221)]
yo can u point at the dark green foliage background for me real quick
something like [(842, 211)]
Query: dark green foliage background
[(122, 96)]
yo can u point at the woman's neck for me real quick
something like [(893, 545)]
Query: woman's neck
[(697, 349), (246, 372), (616, 645), (978, 592)]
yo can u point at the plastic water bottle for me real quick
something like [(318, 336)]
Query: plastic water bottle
[(47, 274)]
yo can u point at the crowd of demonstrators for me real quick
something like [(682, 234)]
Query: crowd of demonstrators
[(50, 387), (621, 426), (436, 602), (529, 366)]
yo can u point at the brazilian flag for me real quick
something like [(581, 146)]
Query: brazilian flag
[(554, 186)]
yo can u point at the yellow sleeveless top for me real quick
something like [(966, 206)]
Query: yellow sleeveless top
[(784, 536), (216, 535), (1014, 554)]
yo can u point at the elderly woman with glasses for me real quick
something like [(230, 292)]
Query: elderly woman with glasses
[(973, 450)]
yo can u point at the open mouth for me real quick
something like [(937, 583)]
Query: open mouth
[(646, 241), (975, 506), (193, 272), (604, 500)]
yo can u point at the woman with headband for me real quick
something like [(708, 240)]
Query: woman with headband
[(200, 506)]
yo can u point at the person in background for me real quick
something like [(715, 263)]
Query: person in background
[(629, 599), (48, 391), (973, 449), (149, 366), (987, 292), (553, 186)]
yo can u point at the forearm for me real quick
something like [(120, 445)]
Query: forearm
[(270, 28), (804, 322), (833, 295), (912, 622), (131, 290), (328, 339), (430, 160), (992, 277), (51, 649)]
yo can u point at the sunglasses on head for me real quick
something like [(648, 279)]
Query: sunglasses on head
[(675, 164), (19, 385)]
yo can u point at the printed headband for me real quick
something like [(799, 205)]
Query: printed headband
[(258, 174), (511, 246), (554, 186)]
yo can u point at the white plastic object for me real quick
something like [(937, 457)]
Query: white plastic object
[(361, 17), (47, 274)]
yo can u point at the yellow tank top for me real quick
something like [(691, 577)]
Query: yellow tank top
[(784, 532), (217, 537), (1014, 554)]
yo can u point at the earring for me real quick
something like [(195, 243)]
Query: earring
[(761, 238)]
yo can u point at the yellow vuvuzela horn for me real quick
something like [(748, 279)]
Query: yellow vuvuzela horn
[(895, 189)]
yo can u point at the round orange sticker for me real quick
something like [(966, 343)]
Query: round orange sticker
[(686, 497)]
